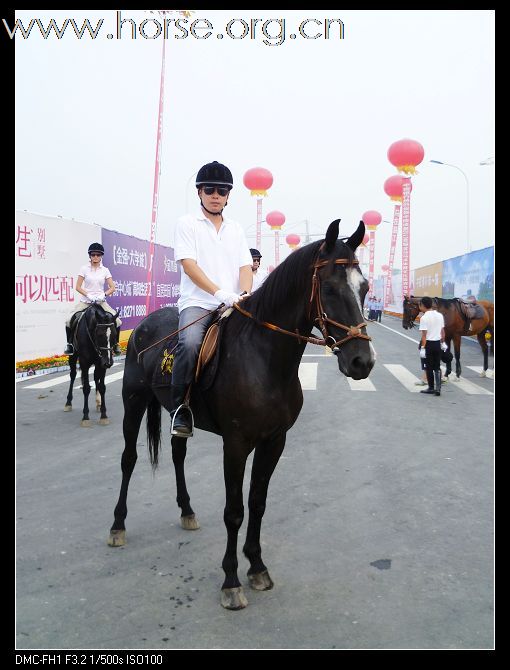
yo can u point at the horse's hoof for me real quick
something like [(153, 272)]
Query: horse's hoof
[(68, 408), (456, 379), (189, 522), (233, 599), (117, 538), (261, 581), (444, 380), (483, 373), (86, 423), (104, 422)]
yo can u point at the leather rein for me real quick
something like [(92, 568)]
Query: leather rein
[(322, 318)]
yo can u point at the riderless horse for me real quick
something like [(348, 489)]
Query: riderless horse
[(318, 285), (457, 324), (93, 340)]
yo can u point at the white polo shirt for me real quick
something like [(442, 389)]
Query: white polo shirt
[(219, 254), (93, 280), (432, 321)]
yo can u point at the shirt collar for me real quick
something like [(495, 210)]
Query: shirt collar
[(202, 217)]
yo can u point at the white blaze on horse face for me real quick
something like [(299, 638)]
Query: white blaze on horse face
[(355, 279)]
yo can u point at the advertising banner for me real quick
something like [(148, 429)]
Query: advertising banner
[(470, 275), (49, 252), (428, 280), (127, 258)]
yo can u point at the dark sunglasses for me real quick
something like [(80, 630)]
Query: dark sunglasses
[(221, 190), (96, 255)]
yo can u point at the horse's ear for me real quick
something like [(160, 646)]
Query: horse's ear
[(356, 238), (332, 235)]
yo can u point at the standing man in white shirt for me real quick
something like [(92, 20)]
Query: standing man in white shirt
[(432, 342), (257, 278), (216, 266), (90, 284)]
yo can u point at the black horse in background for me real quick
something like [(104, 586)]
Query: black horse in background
[(94, 337), (256, 395)]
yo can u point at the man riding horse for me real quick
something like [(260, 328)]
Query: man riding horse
[(216, 267)]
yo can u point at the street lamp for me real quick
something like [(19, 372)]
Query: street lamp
[(467, 196)]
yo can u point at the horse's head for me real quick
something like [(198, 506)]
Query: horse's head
[(101, 327), (339, 291), (410, 312)]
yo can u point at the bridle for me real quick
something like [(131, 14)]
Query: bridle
[(321, 317), (408, 304), (97, 348)]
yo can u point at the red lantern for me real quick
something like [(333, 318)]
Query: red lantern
[(258, 180), (275, 220), (393, 187), (371, 219), (405, 155), (293, 240)]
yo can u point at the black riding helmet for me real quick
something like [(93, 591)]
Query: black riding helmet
[(255, 253), (214, 173), (98, 248)]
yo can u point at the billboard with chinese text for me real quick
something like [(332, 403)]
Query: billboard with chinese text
[(49, 252), (470, 275)]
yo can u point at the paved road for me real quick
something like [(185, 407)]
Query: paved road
[(378, 531)]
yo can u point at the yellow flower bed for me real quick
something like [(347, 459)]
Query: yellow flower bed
[(55, 361)]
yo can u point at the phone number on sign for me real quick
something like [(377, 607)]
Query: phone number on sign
[(128, 311)]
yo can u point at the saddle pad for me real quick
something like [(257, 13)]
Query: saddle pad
[(208, 348)]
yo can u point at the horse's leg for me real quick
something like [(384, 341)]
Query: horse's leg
[(134, 408), (267, 455), (485, 349), (448, 364), (85, 422), (456, 344), (188, 519), (234, 462), (72, 373), (99, 374)]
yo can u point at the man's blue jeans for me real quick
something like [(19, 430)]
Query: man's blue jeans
[(190, 341)]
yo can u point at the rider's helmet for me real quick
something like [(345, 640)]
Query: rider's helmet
[(255, 253), (98, 248), (214, 173)]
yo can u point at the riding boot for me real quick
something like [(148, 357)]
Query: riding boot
[(69, 350), (437, 377), (116, 347), (182, 418)]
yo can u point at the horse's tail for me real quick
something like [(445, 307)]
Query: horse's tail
[(154, 430)]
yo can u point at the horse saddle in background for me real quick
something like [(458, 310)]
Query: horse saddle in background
[(471, 310)]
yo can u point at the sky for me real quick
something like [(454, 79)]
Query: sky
[(320, 114)]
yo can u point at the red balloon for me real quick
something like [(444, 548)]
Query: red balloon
[(258, 180), (275, 219), (406, 154), (293, 240), (371, 218)]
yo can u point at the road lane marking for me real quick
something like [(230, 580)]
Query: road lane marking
[(308, 376), (402, 374), (360, 384), (62, 380), (479, 368)]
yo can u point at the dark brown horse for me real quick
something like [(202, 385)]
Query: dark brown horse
[(457, 325), (319, 284)]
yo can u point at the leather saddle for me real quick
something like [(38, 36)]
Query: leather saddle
[(470, 310)]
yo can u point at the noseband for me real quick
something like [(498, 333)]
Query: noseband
[(322, 318), (97, 348)]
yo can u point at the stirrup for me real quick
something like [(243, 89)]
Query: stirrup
[(174, 414)]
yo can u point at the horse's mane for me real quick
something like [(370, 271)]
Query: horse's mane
[(289, 283)]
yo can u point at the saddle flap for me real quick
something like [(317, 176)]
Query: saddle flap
[(208, 348)]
